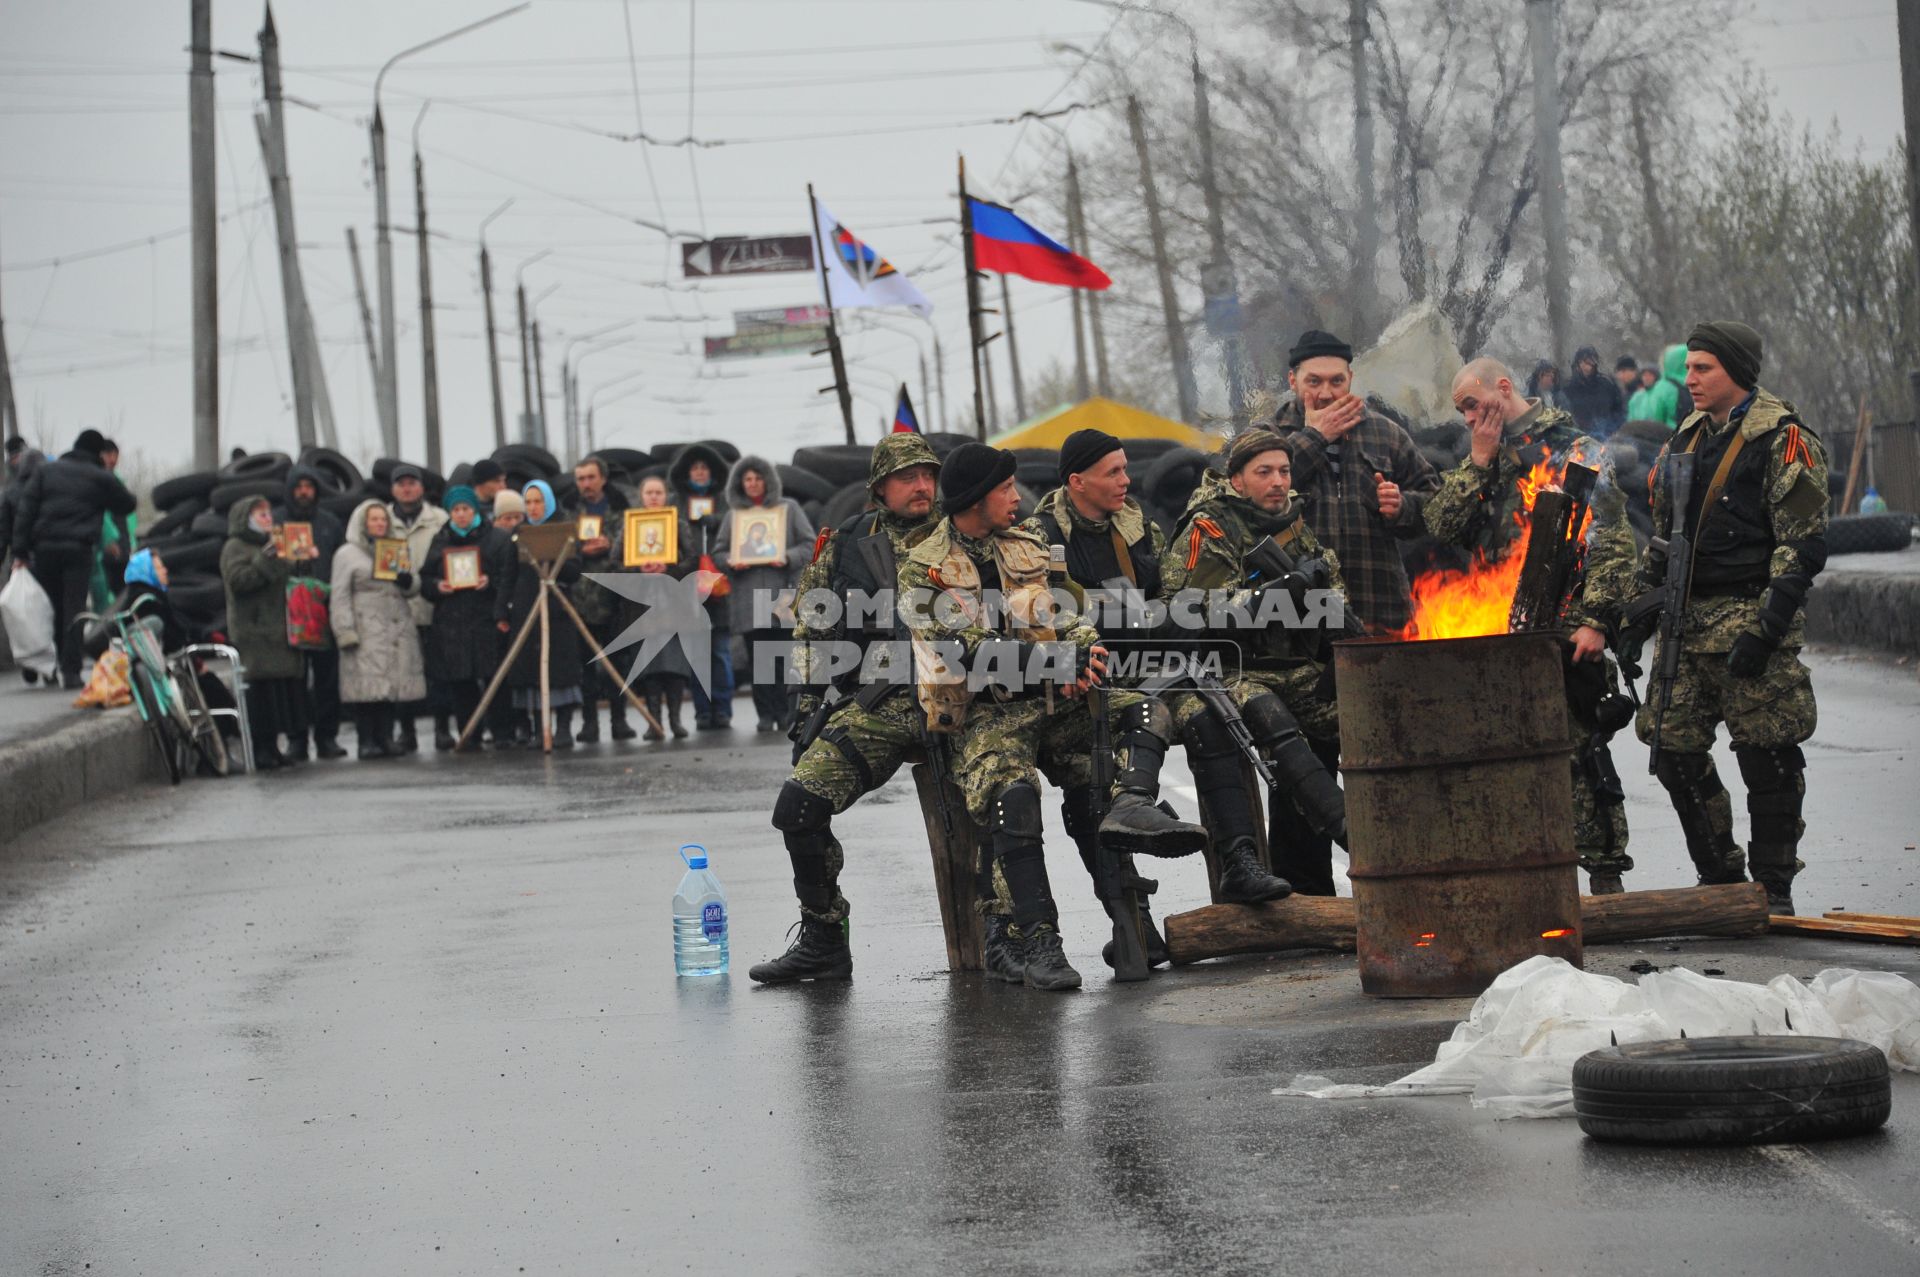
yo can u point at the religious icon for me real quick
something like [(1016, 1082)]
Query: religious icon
[(589, 527), (651, 536), (463, 567), (390, 558), (294, 541), (699, 508), (759, 536)]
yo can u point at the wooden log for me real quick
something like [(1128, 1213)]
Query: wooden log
[(1321, 922)]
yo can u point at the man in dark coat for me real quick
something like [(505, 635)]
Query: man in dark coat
[(56, 530), (22, 461), (699, 475), (316, 704), (594, 495), (1593, 396)]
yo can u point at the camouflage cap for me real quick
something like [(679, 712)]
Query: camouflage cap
[(899, 452)]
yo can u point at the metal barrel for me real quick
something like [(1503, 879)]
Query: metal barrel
[(1457, 758)]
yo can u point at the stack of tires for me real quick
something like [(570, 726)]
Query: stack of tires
[(193, 526)]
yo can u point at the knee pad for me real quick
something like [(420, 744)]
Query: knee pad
[(1150, 717), (1687, 775), (1270, 721), (1765, 769), (1015, 813), (1076, 810), (800, 811), (1206, 736)]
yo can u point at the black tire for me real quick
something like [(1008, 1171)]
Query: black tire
[(1171, 479), (460, 474), (336, 467), (176, 520), (207, 524), (728, 450), (944, 441), (804, 485), (1143, 452), (838, 464), (1625, 453), (256, 465), (1038, 475), (226, 494), (632, 460), (1732, 1090), (183, 488), (845, 506), (186, 555), (664, 453), (1868, 533), (342, 505), (523, 456), (197, 596), (1439, 458), (1648, 436)]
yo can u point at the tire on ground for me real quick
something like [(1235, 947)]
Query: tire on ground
[(337, 467), (187, 487), (844, 506), (1171, 479), (1868, 533), (804, 485), (523, 456), (256, 465), (1731, 1090), (839, 464), (222, 498)]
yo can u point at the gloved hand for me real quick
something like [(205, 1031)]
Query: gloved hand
[(404, 580), (1749, 655)]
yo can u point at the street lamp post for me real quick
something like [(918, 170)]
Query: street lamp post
[(570, 383), (526, 347), (493, 338), (388, 389)]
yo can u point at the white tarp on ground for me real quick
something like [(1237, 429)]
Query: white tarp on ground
[(1515, 1052), (1412, 366)]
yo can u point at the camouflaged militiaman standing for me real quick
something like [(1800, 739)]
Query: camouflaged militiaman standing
[(1758, 515), (850, 747), (1003, 675), (1481, 505), (1282, 690)]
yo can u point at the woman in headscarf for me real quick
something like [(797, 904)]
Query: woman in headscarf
[(462, 644), (754, 484), (519, 599), (256, 581), (147, 578), (380, 661)]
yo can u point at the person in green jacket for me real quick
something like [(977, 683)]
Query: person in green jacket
[(1661, 401), (117, 532), (256, 580)]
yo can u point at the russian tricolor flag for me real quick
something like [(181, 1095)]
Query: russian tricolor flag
[(1003, 242), (904, 422)]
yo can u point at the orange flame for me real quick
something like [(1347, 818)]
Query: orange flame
[(1453, 604), (1556, 933)]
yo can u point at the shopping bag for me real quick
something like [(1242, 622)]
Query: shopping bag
[(29, 616), (307, 627)]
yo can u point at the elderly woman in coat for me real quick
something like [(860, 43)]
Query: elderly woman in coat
[(463, 649), (754, 484), (518, 596), (256, 580), (380, 662)]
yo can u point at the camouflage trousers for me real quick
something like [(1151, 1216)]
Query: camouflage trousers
[(1599, 820), (1771, 710), (1297, 688), (1004, 743), (856, 752)]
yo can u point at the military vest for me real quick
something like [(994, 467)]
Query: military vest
[(1018, 570), (1733, 542), (1095, 558)]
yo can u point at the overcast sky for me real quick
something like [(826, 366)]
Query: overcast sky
[(869, 99)]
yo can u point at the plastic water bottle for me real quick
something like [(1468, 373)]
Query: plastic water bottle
[(1873, 502), (699, 918)]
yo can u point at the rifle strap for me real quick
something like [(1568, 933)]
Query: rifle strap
[(1717, 484), (838, 737), (1123, 556)]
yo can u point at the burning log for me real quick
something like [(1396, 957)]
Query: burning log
[(1555, 549), (1321, 922)]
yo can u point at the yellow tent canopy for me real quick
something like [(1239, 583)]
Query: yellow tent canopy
[(1051, 429)]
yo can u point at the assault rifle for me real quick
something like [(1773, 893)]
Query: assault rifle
[(1269, 565), (1555, 552), (1665, 605), (1119, 884), (1220, 704)]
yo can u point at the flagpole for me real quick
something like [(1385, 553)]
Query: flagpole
[(977, 343), (839, 386)]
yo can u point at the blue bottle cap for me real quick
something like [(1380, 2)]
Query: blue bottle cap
[(698, 861)]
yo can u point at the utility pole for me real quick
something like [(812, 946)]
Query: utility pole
[(429, 369), (1546, 146), (537, 421), (836, 353), (270, 127), (206, 249), (940, 377), (1360, 287), (926, 397), (9, 413), (976, 343), (1909, 22), (493, 337), (1082, 387), (366, 312), (1169, 301), (526, 362), (1077, 216), (1013, 351), (388, 389), (1217, 283)]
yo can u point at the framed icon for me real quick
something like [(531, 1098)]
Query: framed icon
[(699, 508), (650, 536), (294, 540), (590, 525), (759, 536), (390, 558), (463, 567)]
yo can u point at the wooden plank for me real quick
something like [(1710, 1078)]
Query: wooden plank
[(1884, 919), (1831, 930), (955, 868)]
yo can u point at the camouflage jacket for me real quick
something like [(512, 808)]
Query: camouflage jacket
[(823, 625), (1208, 552), (1484, 508), (1791, 488)]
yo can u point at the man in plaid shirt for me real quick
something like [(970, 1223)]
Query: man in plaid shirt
[(1362, 476)]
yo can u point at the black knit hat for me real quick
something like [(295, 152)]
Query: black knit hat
[(16, 445), (1625, 362), (972, 471), (1736, 346), (90, 441), (1249, 444), (1084, 447), (485, 470), (1313, 343)]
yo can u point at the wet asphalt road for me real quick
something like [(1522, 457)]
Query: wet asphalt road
[(421, 1018)]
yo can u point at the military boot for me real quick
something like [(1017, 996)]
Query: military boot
[(1244, 880), (1005, 952), (1605, 884), (1776, 787), (1156, 943), (1136, 826), (1046, 960), (1706, 816), (819, 953)]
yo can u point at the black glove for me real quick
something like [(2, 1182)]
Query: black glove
[(404, 580), (1749, 656)]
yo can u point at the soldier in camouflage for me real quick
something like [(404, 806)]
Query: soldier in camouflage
[(1482, 506), (873, 724), (1759, 528), (1282, 689), (1003, 670)]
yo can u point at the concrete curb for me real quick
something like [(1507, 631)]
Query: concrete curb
[(87, 759), (1876, 610)]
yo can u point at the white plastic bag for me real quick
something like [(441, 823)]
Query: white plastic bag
[(29, 616), (1516, 1049)]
